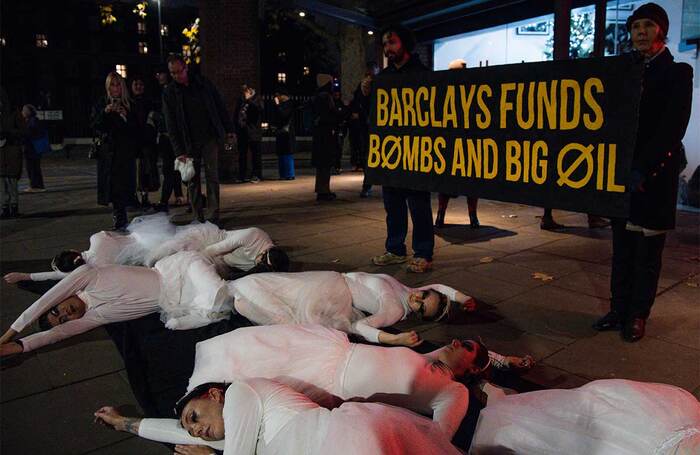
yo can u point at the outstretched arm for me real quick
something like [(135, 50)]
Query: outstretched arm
[(162, 430), (7, 336), (14, 277)]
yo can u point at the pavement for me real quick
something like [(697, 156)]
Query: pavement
[(538, 293)]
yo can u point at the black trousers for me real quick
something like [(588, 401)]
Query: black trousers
[(171, 177), (245, 144), (636, 267), (36, 178), (209, 153), (323, 180)]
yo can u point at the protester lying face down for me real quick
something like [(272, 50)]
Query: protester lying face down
[(202, 414), (70, 309)]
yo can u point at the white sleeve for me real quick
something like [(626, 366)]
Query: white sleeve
[(227, 245), (44, 276), (243, 414), (76, 281), (61, 332), (451, 293), (170, 431), (450, 407), (368, 328)]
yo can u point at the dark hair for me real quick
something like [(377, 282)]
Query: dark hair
[(197, 392), (43, 321), (442, 309), (172, 58), (408, 40), (482, 358), (279, 261), (67, 261)]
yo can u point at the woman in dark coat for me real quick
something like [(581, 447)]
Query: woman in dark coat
[(285, 136), (664, 112), (323, 152), (32, 156), (114, 121)]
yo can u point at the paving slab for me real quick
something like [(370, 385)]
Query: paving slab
[(581, 248), (675, 316), (134, 445), (605, 356), (59, 421)]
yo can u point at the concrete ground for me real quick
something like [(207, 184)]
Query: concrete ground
[(48, 397)]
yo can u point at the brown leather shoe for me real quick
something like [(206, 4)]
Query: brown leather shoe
[(634, 330)]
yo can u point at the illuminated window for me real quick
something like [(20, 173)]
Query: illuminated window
[(307, 71), (164, 30), (143, 47), (121, 69), (282, 77), (2, 42), (41, 41), (141, 28)]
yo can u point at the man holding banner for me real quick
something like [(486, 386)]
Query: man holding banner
[(398, 44), (638, 240)]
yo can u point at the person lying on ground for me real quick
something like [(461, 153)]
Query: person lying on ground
[(611, 416), (267, 417), (185, 288), (338, 300), (322, 364)]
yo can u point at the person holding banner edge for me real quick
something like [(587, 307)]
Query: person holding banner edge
[(398, 43), (664, 112)]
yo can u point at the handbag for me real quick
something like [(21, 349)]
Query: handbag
[(41, 144)]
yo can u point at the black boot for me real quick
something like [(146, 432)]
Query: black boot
[(145, 203), (120, 220), (440, 218), (5, 212), (14, 211), (474, 221)]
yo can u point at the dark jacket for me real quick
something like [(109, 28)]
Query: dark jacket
[(13, 130), (142, 108), (116, 158), (176, 120), (248, 117), (664, 113), (285, 135), (323, 152)]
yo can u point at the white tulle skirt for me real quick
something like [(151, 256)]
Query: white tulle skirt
[(606, 417), (192, 237), (147, 233), (321, 297)]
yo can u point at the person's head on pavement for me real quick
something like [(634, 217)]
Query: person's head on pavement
[(178, 69), (66, 261), (464, 357), (69, 309), (201, 411)]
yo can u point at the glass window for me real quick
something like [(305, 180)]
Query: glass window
[(42, 40), (141, 28), (143, 47), (121, 69), (282, 77), (164, 30), (516, 42)]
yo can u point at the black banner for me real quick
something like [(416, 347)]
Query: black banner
[(551, 134)]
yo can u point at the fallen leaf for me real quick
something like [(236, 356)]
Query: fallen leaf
[(692, 284), (486, 259), (542, 276)]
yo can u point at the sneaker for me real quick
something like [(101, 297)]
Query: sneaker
[(254, 179), (388, 259), (365, 193), (419, 265)]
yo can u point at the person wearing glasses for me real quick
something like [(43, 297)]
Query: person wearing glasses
[(185, 288), (325, 366), (340, 301)]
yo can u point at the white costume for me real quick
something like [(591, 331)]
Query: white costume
[(331, 299), (184, 288), (238, 248), (615, 417), (268, 418), (323, 365), (111, 248)]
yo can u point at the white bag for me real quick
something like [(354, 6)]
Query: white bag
[(186, 169)]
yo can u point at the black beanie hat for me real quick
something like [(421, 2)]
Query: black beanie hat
[(650, 11)]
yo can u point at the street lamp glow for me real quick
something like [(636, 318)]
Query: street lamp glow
[(302, 14), (370, 32)]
